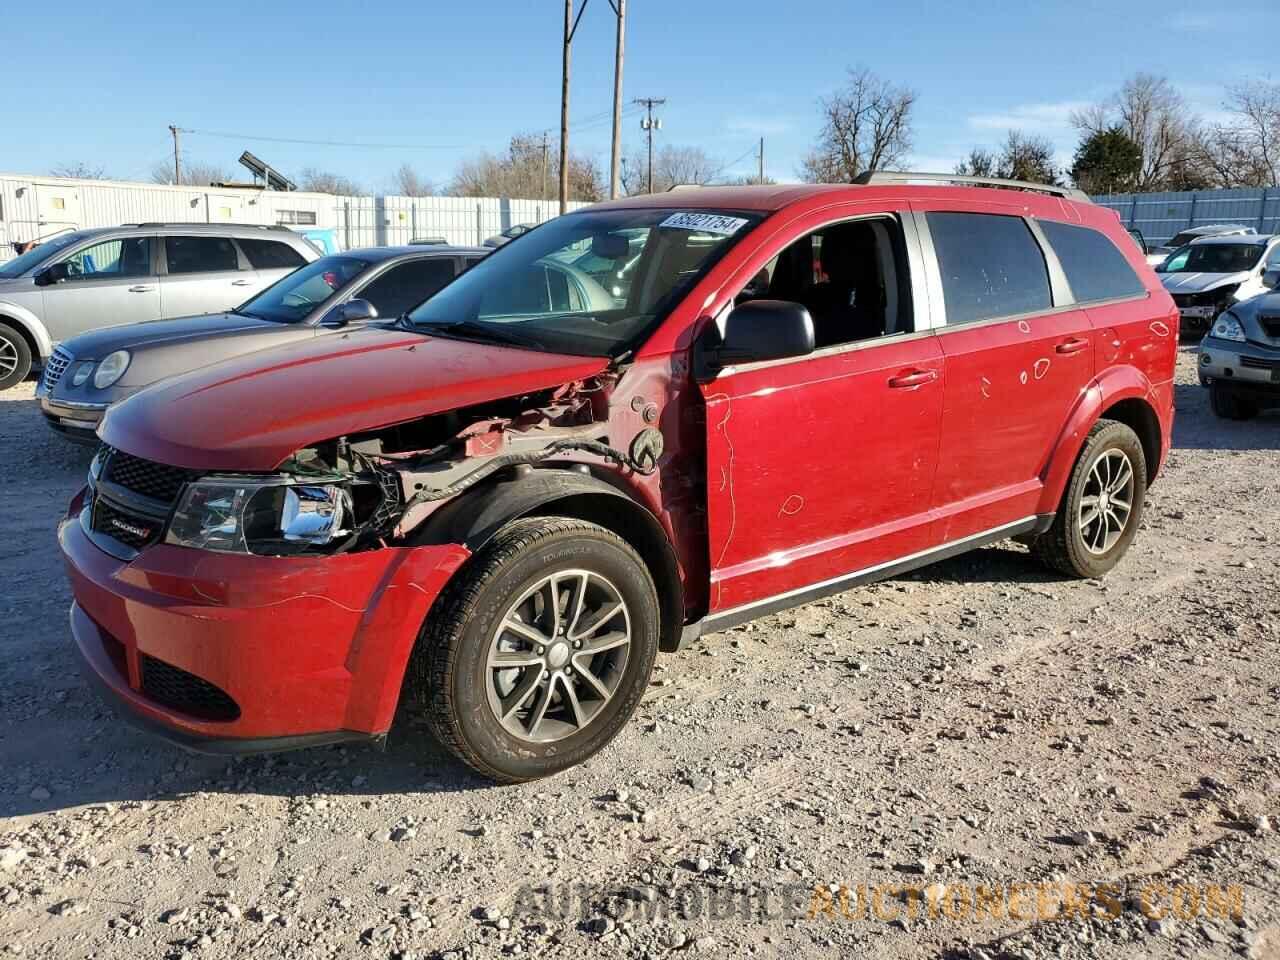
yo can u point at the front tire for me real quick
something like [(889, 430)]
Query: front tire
[(1229, 405), (539, 651), (15, 357), (1101, 507)]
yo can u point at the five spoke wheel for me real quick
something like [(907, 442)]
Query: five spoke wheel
[(1107, 501)]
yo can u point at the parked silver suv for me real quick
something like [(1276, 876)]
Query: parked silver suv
[(88, 279)]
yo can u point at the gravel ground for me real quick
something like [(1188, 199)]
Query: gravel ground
[(980, 722)]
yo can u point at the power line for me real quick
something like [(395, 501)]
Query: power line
[(327, 143)]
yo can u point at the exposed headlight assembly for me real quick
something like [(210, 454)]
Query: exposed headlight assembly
[(1228, 327), (271, 517), (111, 369)]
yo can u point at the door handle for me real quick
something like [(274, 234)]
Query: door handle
[(914, 378), (1074, 345), (141, 288), (241, 283)]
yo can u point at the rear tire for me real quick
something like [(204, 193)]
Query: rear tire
[(15, 357), (1101, 507), (521, 669), (1229, 405)]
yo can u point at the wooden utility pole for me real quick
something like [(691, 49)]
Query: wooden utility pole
[(543, 194), (649, 124), (615, 156), (177, 157), (570, 28), (762, 159)]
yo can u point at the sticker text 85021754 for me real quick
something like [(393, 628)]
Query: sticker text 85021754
[(705, 223)]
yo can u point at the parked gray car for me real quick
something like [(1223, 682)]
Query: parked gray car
[(1215, 273), (90, 372), (1240, 355), (76, 282)]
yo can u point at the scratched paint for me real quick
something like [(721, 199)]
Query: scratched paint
[(791, 506), (985, 387), (1160, 328), (1041, 368), (1024, 327), (1022, 377)]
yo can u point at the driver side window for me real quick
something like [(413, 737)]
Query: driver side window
[(852, 277), (110, 259)]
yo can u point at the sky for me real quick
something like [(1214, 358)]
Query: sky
[(430, 83)]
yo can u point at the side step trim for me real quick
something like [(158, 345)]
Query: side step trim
[(724, 619)]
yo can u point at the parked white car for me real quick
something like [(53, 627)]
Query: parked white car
[(1157, 255), (1209, 275), (81, 281)]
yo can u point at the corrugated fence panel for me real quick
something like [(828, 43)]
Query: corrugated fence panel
[(33, 207), (1161, 215)]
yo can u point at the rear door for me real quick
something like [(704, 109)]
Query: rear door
[(204, 273), (1018, 352), (108, 282), (270, 260)]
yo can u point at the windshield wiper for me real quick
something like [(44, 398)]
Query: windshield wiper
[(473, 330)]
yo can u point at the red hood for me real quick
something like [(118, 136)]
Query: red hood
[(252, 412)]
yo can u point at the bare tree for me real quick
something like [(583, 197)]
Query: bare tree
[(1155, 116), (1021, 157), (979, 163), (1245, 150), (313, 180), (671, 165), (407, 183), (865, 126), (194, 173), (79, 171), (526, 171)]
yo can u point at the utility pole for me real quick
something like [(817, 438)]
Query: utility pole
[(619, 8), (543, 194), (570, 28), (177, 157), (762, 159), (649, 124)]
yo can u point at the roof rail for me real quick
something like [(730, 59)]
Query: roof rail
[(210, 226), (902, 176), (685, 186)]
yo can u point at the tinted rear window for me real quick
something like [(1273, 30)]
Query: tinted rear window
[(270, 254), (200, 254), (1094, 267), (991, 266)]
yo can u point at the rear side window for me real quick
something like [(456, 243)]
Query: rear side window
[(200, 254), (1094, 267), (270, 254), (991, 266), (407, 285)]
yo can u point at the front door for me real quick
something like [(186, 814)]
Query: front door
[(819, 467), (109, 282)]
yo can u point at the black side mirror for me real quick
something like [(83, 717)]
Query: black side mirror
[(1271, 278), (754, 331), (353, 311), (55, 273)]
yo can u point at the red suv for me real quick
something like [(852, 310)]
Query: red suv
[(640, 422)]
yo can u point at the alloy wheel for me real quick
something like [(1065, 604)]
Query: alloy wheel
[(558, 656), (8, 358), (1106, 503)]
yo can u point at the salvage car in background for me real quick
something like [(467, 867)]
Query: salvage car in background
[(509, 234), (90, 372), (87, 279), (1158, 255), (1216, 272), (508, 503), (1240, 355)]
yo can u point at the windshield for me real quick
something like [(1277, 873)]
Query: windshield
[(39, 254), (589, 283), (1215, 258), (294, 297)]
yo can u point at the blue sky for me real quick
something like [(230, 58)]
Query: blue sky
[(101, 82)]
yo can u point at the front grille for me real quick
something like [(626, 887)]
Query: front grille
[(1270, 326), (1197, 299), (131, 530), (166, 684), (1255, 363), (145, 477), (55, 367)]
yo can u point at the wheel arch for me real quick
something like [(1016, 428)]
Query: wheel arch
[(474, 518), (32, 330)]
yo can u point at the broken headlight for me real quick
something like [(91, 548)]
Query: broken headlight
[(270, 517)]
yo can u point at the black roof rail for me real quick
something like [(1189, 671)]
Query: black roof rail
[(188, 225), (877, 177)]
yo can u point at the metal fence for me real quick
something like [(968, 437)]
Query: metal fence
[(1161, 215), (32, 207)]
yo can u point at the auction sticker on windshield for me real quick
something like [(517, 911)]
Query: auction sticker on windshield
[(705, 223)]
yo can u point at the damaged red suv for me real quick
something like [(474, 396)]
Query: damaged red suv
[(640, 422)]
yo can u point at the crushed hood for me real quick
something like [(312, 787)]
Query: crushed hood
[(1200, 282), (252, 412)]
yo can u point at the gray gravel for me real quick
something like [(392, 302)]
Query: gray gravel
[(979, 722)]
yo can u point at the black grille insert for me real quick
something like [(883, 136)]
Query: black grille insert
[(131, 530), (1270, 326), (1256, 363), (145, 477), (166, 684)]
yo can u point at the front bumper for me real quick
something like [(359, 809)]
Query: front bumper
[(269, 653), (1248, 367), (74, 420)]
